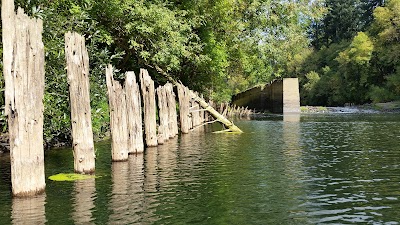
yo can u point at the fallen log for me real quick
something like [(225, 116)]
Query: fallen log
[(231, 127), (185, 114)]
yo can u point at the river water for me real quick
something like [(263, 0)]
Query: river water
[(313, 169)]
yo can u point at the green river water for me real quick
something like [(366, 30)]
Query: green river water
[(313, 169)]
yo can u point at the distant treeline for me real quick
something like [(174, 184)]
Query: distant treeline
[(355, 54)]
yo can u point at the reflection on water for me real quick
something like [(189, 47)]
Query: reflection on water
[(85, 192), (288, 169), (120, 192), (29, 210), (136, 189)]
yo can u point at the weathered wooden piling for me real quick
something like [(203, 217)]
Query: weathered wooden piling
[(149, 108), (134, 114), (163, 114), (23, 70), (195, 111), (184, 102), (118, 117), (173, 118), (78, 79)]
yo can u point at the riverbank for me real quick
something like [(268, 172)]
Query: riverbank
[(388, 107)]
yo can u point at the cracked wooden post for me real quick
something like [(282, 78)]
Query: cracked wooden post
[(202, 114), (78, 79), (23, 70), (134, 114), (173, 117), (163, 115), (149, 108), (184, 98), (118, 119), (231, 127), (195, 111)]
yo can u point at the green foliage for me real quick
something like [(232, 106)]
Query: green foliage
[(359, 52), (218, 48), (362, 70), (343, 20), (380, 94)]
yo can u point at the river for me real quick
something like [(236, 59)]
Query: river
[(313, 169)]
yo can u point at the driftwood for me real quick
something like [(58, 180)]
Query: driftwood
[(118, 117), (23, 54), (134, 114), (78, 79), (149, 105)]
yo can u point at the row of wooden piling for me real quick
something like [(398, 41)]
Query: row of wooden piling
[(132, 106), (233, 111), (126, 113)]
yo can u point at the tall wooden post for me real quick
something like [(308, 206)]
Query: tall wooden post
[(23, 54), (196, 119), (163, 114), (118, 119), (149, 104), (184, 101), (134, 114), (173, 118), (78, 80)]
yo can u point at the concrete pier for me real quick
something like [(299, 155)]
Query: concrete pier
[(280, 96)]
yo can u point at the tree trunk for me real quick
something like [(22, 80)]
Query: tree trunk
[(24, 81), (149, 104), (78, 79), (184, 101), (118, 118), (134, 114)]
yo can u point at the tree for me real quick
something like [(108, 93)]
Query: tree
[(354, 67), (386, 30), (343, 20)]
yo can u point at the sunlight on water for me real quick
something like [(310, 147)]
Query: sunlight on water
[(313, 169)]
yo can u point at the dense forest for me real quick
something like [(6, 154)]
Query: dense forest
[(342, 51), (354, 56)]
